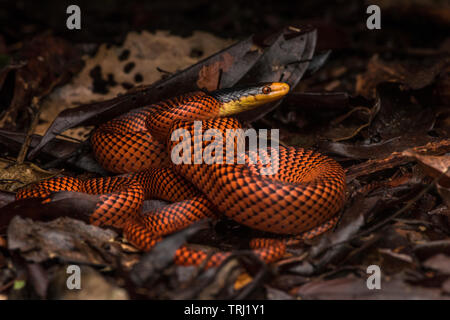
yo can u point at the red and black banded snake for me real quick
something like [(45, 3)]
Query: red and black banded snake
[(301, 198)]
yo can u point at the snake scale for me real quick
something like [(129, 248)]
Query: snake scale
[(301, 198)]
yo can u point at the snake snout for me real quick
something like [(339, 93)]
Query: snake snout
[(237, 100)]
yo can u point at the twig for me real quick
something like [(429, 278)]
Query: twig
[(348, 114), (219, 80), (36, 109), (70, 138), (394, 216), (26, 144), (10, 180), (396, 159), (372, 112), (299, 61), (164, 71), (7, 286)]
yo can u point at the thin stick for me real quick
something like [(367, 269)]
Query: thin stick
[(35, 101), (26, 144)]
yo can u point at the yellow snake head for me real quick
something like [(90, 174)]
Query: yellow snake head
[(238, 99)]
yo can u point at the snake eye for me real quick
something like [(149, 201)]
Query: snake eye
[(266, 90)]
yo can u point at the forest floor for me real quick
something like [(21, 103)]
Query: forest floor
[(377, 101)]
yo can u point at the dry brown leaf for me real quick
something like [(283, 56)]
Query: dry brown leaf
[(148, 56), (434, 166), (14, 176), (439, 262), (413, 77)]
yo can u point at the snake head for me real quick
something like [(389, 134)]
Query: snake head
[(238, 99)]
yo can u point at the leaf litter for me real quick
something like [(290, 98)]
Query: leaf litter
[(385, 120)]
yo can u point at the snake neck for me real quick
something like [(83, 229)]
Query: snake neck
[(203, 106), (239, 99), (189, 107)]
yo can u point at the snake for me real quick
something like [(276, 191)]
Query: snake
[(300, 199)]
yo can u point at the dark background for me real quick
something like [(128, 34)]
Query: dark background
[(404, 23), (389, 93)]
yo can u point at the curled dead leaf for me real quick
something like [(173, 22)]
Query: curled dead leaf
[(209, 75), (434, 166)]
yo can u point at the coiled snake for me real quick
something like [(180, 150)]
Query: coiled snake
[(301, 198)]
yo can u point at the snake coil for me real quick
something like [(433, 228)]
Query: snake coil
[(302, 198)]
